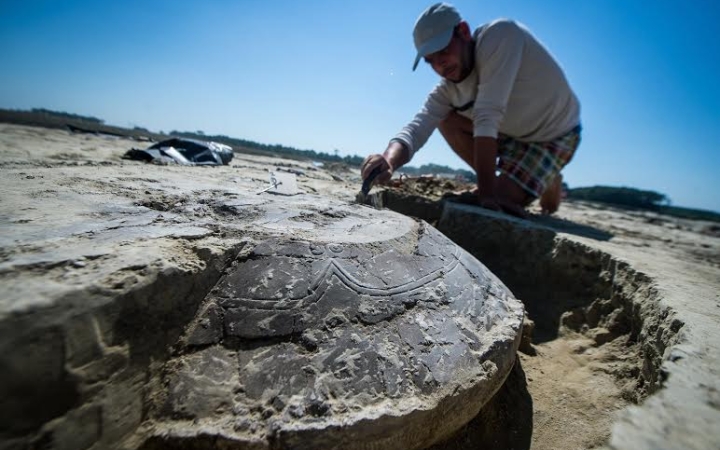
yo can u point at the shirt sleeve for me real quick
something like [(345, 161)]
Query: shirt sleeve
[(416, 133), (499, 55)]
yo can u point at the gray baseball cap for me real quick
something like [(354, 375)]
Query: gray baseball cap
[(434, 29)]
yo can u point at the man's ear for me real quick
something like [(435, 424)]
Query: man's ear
[(464, 31)]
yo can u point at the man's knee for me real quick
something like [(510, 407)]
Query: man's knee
[(447, 123), (457, 131), (455, 123)]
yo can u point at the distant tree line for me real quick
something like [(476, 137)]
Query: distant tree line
[(67, 115), (275, 149), (639, 199), (623, 196)]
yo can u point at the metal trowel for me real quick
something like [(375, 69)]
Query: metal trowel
[(362, 197)]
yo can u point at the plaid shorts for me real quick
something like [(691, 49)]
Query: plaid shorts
[(533, 165)]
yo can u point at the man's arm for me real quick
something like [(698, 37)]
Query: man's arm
[(403, 146), (415, 134), (485, 153), (397, 154)]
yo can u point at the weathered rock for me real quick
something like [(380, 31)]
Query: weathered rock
[(352, 342)]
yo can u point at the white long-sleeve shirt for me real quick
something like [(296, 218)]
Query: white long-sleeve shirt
[(516, 88)]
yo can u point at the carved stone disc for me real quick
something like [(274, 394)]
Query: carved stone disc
[(388, 336)]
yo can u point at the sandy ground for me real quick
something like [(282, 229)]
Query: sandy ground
[(577, 386)]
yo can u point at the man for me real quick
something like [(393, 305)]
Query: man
[(503, 105)]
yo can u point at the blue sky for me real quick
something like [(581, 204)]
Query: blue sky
[(326, 75)]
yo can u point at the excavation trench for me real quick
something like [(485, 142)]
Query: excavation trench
[(594, 341)]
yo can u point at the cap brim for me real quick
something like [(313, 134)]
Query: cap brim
[(435, 44)]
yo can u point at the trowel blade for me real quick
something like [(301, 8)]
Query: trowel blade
[(375, 200), (363, 197)]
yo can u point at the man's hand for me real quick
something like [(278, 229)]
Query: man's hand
[(395, 156), (513, 209), (374, 161), (489, 202), (495, 204)]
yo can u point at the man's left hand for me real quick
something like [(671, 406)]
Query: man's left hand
[(513, 209), (496, 204)]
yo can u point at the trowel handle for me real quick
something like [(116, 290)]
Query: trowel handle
[(367, 182)]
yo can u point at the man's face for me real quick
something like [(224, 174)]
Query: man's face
[(452, 62)]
